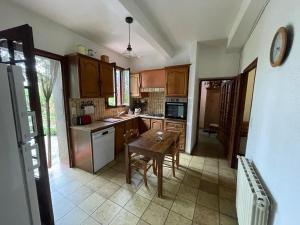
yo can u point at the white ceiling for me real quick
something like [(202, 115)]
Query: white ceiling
[(178, 21)]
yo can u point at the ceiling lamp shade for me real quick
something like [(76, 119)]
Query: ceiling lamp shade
[(129, 52)]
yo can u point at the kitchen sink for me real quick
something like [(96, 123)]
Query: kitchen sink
[(112, 120)]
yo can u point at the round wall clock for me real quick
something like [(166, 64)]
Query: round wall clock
[(279, 47)]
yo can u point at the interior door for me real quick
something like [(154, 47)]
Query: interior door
[(237, 107), (17, 48)]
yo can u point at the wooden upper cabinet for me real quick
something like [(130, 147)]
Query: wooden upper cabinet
[(84, 76), (89, 78), (107, 79), (153, 78), (177, 81), (135, 85)]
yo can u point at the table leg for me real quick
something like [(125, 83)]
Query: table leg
[(159, 162), (127, 165)]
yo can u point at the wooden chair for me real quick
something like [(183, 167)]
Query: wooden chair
[(137, 161), (172, 156)]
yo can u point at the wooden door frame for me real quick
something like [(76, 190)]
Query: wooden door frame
[(66, 94), (200, 80), (240, 113)]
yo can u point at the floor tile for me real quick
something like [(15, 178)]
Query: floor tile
[(142, 222), (61, 208), (227, 207), (90, 221), (134, 185), (155, 214), (147, 191), (108, 189), (208, 200), (106, 212), (206, 216), (166, 201), (90, 204), (118, 178), (121, 196), (211, 177), (227, 220), (75, 217), (209, 187), (137, 205), (192, 181), (171, 186), (183, 207), (125, 218), (96, 183), (70, 187), (176, 219), (187, 192), (79, 195), (227, 193)]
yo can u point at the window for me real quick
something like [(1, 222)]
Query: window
[(121, 88)]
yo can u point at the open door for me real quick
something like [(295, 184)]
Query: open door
[(237, 109), (18, 45)]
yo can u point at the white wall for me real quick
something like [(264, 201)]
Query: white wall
[(215, 61), (274, 133), (157, 61), (50, 36)]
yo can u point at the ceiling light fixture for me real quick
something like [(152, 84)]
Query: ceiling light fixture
[(128, 52)]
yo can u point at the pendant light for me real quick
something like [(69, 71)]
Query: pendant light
[(128, 52)]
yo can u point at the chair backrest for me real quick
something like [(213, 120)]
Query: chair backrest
[(131, 135)]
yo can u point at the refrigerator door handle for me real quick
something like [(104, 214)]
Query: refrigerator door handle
[(28, 151), (34, 133)]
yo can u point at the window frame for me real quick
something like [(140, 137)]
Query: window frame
[(120, 93)]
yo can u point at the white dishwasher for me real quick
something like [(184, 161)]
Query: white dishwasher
[(103, 147)]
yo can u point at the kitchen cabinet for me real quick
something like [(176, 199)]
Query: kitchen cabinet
[(106, 79), (84, 79), (157, 124), (119, 137), (144, 125), (89, 77), (177, 81), (128, 125), (153, 78), (177, 126)]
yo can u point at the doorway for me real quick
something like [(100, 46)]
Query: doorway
[(209, 111), (53, 111)]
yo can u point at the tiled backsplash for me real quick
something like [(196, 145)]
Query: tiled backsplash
[(100, 110), (156, 102)]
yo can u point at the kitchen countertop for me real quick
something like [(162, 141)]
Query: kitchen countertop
[(100, 125)]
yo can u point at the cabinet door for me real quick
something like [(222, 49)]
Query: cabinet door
[(119, 137), (135, 123), (177, 81), (135, 85), (128, 125), (107, 79), (153, 78), (156, 124), (89, 78), (144, 125)]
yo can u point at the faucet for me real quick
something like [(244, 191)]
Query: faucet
[(121, 113)]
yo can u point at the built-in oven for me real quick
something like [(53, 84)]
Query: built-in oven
[(176, 109)]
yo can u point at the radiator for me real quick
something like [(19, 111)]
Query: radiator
[(252, 202)]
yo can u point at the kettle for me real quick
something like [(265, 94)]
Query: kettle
[(137, 111)]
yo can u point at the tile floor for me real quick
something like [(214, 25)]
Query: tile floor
[(202, 193)]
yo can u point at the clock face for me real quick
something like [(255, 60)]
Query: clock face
[(278, 47)]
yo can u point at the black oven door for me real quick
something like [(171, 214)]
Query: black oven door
[(176, 110)]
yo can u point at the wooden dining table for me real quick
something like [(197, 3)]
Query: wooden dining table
[(148, 145)]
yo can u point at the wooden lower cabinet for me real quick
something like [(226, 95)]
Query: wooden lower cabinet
[(144, 125), (157, 124), (177, 126), (119, 137)]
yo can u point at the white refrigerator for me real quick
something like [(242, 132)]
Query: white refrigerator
[(18, 152)]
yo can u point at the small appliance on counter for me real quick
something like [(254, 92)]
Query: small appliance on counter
[(176, 108), (84, 120), (137, 111)]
